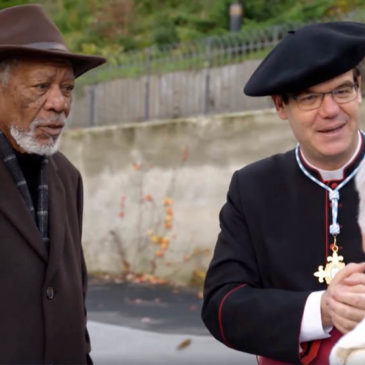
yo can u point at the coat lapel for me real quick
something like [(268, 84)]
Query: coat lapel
[(12, 205), (57, 218)]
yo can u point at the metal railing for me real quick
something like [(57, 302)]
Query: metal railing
[(202, 53), (178, 80)]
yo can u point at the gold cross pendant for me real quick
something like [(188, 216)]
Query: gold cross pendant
[(334, 265)]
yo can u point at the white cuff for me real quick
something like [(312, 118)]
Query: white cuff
[(312, 328)]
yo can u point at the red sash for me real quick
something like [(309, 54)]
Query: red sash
[(318, 353)]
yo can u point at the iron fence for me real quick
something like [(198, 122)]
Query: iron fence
[(178, 80)]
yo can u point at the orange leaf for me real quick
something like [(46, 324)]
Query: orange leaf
[(168, 201), (164, 240), (148, 198), (168, 218), (155, 239), (159, 253)]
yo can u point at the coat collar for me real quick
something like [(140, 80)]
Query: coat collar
[(13, 207)]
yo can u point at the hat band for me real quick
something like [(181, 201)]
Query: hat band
[(47, 46)]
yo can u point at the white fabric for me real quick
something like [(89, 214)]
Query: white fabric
[(360, 186), (350, 348), (328, 175), (311, 327)]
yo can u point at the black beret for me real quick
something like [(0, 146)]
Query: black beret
[(308, 56)]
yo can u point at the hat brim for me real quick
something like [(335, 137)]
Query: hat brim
[(80, 63)]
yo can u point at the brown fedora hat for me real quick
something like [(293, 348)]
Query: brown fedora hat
[(26, 30)]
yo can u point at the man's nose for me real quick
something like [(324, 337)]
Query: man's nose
[(329, 107), (57, 101)]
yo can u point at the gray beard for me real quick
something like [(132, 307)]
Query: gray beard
[(27, 140)]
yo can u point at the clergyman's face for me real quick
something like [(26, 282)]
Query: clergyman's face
[(328, 136), (35, 101)]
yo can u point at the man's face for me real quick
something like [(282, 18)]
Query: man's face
[(328, 136), (34, 104)]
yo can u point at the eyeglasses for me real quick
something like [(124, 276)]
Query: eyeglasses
[(341, 95)]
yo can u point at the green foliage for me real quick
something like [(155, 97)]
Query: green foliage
[(7, 3), (164, 32), (113, 27), (262, 10)]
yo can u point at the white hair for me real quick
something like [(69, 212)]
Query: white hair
[(5, 67)]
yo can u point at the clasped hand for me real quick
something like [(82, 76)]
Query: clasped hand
[(343, 303)]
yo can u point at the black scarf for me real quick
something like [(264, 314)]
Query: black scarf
[(41, 215)]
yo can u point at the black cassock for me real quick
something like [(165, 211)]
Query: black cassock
[(274, 235)]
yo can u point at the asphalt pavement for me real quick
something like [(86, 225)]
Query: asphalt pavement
[(140, 324)]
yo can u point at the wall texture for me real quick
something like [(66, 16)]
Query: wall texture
[(153, 190)]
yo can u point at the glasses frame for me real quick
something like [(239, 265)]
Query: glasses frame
[(354, 86)]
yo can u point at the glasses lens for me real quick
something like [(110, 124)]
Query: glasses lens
[(344, 94), (309, 101)]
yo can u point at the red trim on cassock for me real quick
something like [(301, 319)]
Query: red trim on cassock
[(317, 354), (220, 314), (311, 350)]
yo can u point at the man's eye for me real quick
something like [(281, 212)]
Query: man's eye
[(67, 89), (344, 91), (42, 86), (307, 98)]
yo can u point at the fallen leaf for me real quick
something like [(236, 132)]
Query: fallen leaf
[(184, 344)]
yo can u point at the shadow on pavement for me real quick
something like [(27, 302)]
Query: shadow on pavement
[(157, 308)]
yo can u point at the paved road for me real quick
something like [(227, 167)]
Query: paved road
[(133, 324)]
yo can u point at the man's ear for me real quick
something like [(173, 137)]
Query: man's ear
[(280, 107), (359, 94)]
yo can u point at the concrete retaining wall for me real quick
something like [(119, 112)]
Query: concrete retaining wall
[(153, 191)]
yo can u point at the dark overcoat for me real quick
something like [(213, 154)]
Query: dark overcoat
[(274, 235), (42, 305)]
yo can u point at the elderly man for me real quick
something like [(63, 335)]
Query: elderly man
[(42, 270), (289, 223)]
